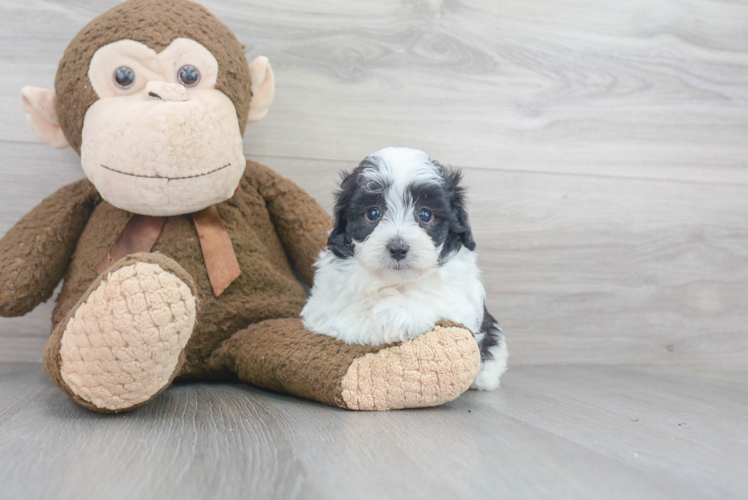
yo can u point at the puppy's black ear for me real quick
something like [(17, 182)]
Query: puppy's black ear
[(467, 234), (460, 233), (340, 242)]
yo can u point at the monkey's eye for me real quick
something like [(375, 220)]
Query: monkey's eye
[(373, 214), (425, 215), (124, 77), (188, 75)]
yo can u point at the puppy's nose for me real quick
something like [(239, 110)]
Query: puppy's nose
[(398, 249)]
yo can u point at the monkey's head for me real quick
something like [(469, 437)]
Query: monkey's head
[(154, 95)]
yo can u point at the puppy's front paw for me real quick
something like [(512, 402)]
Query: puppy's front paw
[(397, 319)]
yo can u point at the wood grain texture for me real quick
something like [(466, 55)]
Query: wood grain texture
[(566, 86), (603, 146), (549, 432)]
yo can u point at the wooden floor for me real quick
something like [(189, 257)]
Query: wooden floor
[(604, 150), (550, 432)]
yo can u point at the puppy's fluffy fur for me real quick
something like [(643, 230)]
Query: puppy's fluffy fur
[(400, 258)]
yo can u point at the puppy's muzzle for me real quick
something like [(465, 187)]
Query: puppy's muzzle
[(398, 249)]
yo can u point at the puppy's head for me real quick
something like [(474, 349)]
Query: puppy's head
[(400, 214)]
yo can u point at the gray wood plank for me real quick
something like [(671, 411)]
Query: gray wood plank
[(656, 419), (549, 432), (579, 269), (642, 90)]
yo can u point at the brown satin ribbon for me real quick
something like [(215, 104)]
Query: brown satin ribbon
[(142, 231), (139, 235), (218, 252)]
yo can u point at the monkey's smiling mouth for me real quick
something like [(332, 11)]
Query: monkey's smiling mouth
[(166, 178)]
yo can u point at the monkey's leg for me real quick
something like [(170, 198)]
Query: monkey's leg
[(123, 342), (281, 355)]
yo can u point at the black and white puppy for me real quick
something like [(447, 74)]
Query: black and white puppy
[(400, 258)]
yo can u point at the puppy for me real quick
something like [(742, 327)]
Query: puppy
[(400, 258)]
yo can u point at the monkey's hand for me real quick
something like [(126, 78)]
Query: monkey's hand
[(35, 253), (302, 224)]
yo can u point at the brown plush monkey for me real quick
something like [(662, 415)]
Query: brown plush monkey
[(177, 254)]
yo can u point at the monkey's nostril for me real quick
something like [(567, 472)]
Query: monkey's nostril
[(167, 92), (398, 250)]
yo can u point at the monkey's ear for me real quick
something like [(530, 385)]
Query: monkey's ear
[(263, 88), (41, 114)]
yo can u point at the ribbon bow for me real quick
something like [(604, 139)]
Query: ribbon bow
[(142, 231)]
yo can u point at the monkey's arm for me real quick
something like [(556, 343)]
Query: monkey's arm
[(35, 253), (301, 222)]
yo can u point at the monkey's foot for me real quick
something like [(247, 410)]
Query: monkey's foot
[(280, 354), (124, 342), (427, 371)]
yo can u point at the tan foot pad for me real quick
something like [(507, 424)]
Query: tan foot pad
[(124, 342), (427, 371)]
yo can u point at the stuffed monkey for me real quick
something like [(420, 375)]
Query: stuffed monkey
[(180, 257)]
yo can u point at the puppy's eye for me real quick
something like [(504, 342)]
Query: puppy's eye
[(425, 215), (373, 214), (124, 77), (188, 75)]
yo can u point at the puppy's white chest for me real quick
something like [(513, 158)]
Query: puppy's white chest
[(348, 304)]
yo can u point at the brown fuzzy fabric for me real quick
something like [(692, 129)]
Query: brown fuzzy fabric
[(156, 23), (35, 253), (52, 358), (301, 226), (263, 232), (281, 355)]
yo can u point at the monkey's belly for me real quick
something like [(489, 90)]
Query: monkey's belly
[(266, 289)]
